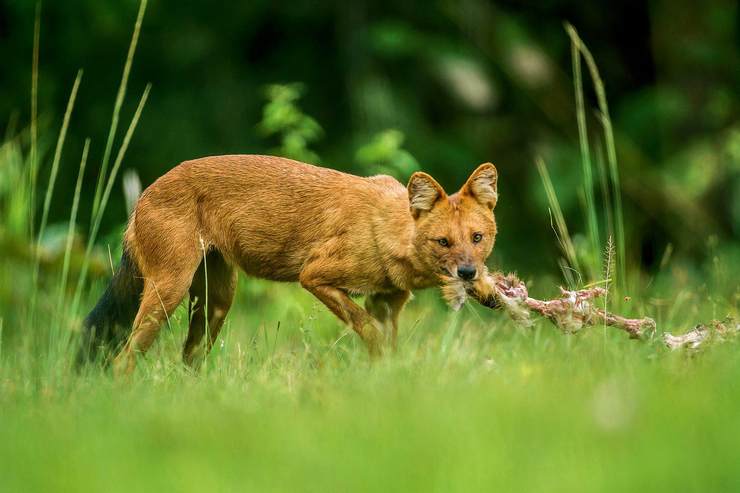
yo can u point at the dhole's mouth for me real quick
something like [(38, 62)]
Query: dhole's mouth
[(446, 274)]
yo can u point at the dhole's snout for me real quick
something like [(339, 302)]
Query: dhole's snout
[(466, 272)]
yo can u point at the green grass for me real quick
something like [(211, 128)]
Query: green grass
[(469, 403)]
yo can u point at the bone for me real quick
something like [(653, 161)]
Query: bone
[(574, 310), (718, 331), (571, 312)]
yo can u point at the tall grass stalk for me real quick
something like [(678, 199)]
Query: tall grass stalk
[(50, 187), (120, 96), (608, 268), (34, 120), (616, 191), (610, 152), (71, 228), (566, 243), (588, 185), (104, 198), (57, 158), (605, 192), (206, 320)]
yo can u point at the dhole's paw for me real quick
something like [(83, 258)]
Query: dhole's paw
[(374, 335)]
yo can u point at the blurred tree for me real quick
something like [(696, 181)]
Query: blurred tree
[(282, 116), (384, 155), (464, 82)]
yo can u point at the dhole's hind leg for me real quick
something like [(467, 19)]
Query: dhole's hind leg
[(163, 292), (221, 285)]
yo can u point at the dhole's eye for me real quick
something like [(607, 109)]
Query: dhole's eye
[(443, 242), (477, 237)]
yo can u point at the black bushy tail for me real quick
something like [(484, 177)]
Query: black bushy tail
[(107, 326)]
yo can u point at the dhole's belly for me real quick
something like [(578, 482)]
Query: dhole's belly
[(280, 267), (344, 265)]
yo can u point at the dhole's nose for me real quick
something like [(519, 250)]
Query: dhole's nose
[(466, 272)]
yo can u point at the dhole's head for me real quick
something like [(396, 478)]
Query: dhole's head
[(454, 233)]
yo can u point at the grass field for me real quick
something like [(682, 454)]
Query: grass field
[(470, 402)]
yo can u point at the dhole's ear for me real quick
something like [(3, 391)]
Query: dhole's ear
[(482, 185), (424, 192)]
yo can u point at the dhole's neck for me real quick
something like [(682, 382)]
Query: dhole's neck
[(395, 238)]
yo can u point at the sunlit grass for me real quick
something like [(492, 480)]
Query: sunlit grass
[(469, 402)]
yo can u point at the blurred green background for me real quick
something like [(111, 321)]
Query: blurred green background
[(459, 83)]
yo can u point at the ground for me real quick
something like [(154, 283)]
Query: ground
[(470, 402)]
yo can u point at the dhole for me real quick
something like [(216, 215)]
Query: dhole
[(337, 234)]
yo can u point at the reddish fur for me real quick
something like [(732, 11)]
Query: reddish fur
[(274, 218)]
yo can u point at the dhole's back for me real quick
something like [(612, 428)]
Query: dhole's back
[(266, 213)]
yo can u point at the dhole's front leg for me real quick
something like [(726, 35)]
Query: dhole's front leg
[(350, 313), (386, 307)]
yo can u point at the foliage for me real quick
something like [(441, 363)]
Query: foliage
[(464, 82), (384, 155), (14, 191), (281, 116)]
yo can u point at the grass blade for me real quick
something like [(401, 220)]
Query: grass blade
[(206, 319), (588, 185), (106, 195), (50, 187), (120, 96), (611, 153), (57, 158), (71, 229), (566, 243), (34, 120), (605, 192)]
